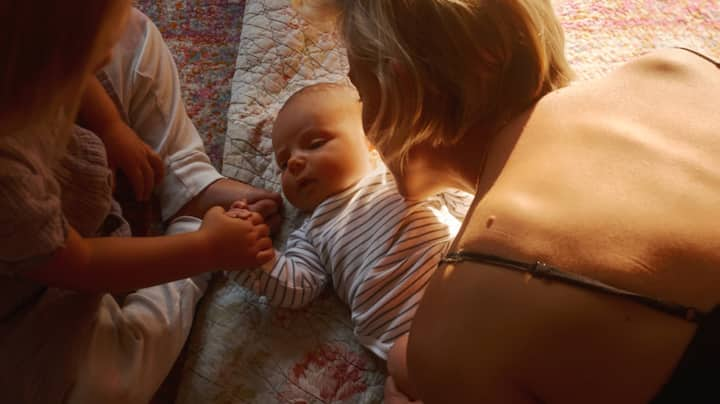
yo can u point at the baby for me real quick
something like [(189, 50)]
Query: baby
[(377, 249)]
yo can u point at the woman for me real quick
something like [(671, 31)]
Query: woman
[(609, 181)]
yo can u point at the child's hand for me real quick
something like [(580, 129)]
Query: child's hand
[(237, 239), (141, 165)]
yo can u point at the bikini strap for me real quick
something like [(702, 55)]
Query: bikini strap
[(708, 58), (542, 270)]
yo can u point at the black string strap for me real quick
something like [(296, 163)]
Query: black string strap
[(542, 270)]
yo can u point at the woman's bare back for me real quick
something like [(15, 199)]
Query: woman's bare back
[(613, 179), (618, 179)]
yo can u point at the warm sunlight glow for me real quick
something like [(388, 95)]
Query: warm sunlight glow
[(444, 216)]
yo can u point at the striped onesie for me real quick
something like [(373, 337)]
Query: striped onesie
[(378, 250)]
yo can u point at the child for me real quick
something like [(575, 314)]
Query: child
[(377, 249), (64, 337)]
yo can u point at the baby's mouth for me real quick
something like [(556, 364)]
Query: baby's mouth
[(305, 182)]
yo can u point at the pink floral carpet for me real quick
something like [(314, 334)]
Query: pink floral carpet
[(203, 36)]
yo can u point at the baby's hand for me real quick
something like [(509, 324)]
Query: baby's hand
[(241, 204), (238, 213), (236, 239), (270, 208)]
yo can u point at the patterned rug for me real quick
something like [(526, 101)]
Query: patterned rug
[(203, 36), (601, 35)]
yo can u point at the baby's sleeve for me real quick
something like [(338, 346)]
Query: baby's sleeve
[(294, 278), (457, 203), (32, 224)]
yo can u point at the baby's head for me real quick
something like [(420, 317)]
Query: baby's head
[(319, 144), (429, 71)]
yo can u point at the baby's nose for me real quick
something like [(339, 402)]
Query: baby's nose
[(295, 165)]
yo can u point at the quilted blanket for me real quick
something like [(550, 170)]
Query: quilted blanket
[(242, 350)]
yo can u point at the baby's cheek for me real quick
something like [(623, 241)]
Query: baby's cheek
[(286, 185)]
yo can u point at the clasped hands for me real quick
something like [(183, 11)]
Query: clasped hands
[(239, 237)]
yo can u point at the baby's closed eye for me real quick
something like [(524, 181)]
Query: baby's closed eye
[(317, 142)]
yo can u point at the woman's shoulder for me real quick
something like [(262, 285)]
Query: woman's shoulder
[(667, 70), (664, 83), (672, 62), (674, 58)]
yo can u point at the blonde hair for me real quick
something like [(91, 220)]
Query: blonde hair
[(45, 53), (443, 67)]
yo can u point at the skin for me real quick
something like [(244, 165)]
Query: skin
[(125, 150), (320, 146), (225, 191), (613, 179)]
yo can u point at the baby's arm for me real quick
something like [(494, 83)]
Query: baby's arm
[(125, 149), (121, 264), (293, 279)]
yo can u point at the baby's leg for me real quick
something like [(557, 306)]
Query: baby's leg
[(134, 343), (398, 388)]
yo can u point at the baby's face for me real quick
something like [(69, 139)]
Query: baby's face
[(320, 146)]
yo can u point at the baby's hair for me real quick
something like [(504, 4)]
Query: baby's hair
[(318, 88), (442, 67), (45, 51)]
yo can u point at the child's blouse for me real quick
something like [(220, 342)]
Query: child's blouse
[(42, 194)]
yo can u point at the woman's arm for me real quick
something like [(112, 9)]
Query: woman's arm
[(119, 264)]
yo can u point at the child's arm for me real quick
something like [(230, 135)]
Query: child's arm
[(293, 279), (119, 264), (126, 151)]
